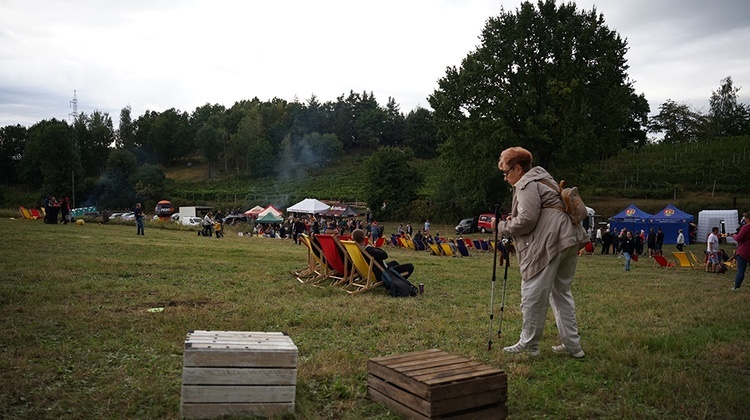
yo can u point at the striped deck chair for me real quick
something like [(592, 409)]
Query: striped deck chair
[(362, 276), (36, 214), (435, 249)]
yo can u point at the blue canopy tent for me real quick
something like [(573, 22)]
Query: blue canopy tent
[(671, 219), (632, 219)]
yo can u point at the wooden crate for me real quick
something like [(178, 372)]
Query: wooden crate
[(432, 384), (238, 373)]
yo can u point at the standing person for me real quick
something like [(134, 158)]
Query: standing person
[(409, 229), (427, 226), (138, 213), (65, 210), (742, 255), (607, 240), (651, 242), (627, 245), (680, 240), (547, 245), (599, 236), (712, 251), (659, 241)]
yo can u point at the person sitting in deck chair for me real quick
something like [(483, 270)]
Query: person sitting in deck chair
[(380, 256)]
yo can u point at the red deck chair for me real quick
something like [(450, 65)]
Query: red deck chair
[(379, 243), (661, 262), (333, 259)]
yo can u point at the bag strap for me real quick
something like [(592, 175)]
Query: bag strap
[(559, 192)]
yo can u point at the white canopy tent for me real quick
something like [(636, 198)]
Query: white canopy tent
[(309, 206)]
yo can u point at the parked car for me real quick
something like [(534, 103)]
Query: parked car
[(128, 216), (485, 222), (192, 221), (467, 226)]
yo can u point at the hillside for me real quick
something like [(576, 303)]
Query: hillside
[(693, 177)]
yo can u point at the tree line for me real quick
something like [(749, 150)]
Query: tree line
[(548, 77)]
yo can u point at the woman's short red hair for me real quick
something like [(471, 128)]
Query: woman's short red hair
[(513, 156)]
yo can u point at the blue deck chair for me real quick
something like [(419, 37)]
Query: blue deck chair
[(462, 248)]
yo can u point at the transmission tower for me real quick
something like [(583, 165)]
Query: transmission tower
[(74, 105)]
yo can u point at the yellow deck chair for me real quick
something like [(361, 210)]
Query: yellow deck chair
[(446, 248), (435, 249), (25, 213), (682, 260), (313, 270), (362, 276), (698, 263)]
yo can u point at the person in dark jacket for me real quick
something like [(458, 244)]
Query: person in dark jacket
[(380, 256), (627, 245)]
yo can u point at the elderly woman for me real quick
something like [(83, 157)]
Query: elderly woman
[(547, 245)]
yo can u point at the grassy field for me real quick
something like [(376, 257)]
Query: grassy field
[(78, 341)]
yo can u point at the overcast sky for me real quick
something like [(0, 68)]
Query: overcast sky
[(158, 54)]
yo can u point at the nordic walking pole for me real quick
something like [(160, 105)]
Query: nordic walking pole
[(494, 273), (505, 282)]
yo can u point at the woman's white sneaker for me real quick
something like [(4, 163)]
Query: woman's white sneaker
[(518, 348), (561, 349)]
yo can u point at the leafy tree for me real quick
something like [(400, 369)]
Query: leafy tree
[(420, 133), (678, 123), (728, 116), (126, 132), (12, 145), (392, 132), (51, 157), (149, 184), (392, 182), (548, 78), (94, 135), (121, 162), (170, 137)]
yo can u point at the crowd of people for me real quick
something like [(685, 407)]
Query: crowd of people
[(55, 209)]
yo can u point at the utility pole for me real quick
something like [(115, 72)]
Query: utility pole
[(74, 114), (74, 105)]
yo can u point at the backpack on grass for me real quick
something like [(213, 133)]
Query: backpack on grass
[(572, 202), (396, 284)]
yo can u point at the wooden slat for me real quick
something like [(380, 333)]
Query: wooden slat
[(394, 405), (490, 413), (237, 394), (466, 373), (467, 402), (205, 411), (233, 358), (404, 397), (241, 376), (395, 357), (459, 389)]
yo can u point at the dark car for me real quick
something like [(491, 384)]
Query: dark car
[(235, 219), (467, 226)]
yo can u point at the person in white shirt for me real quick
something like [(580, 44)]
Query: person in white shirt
[(712, 250), (680, 240)]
